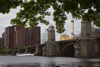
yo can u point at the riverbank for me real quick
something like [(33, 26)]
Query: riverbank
[(5, 55)]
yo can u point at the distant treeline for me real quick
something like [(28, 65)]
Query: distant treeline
[(3, 49)]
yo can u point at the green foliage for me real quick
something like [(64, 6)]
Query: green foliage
[(9, 50), (2, 49), (34, 11), (14, 48), (6, 5), (22, 46)]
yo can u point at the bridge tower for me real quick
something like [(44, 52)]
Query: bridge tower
[(87, 45), (51, 33), (51, 48)]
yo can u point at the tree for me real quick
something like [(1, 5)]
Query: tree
[(34, 11), (6, 5), (2, 49)]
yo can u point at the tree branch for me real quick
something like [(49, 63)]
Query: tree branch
[(97, 6)]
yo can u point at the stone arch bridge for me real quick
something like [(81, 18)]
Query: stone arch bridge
[(66, 48), (87, 45)]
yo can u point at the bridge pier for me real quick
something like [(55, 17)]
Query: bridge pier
[(18, 51), (38, 51), (87, 45), (51, 48), (12, 52), (26, 50), (96, 47)]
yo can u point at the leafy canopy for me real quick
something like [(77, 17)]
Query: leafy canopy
[(34, 11)]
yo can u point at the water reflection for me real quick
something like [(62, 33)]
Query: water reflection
[(53, 64), (22, 65), (37, 61)]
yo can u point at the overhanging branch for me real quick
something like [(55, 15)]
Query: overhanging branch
[(97, 6)]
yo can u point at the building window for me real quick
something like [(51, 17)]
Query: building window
[(15, 28), (35, 28)]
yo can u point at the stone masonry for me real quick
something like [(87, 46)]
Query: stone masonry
[(87, 45), (51, 48)]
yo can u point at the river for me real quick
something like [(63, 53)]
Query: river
[(38, 61)]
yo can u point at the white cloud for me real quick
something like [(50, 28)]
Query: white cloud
[(5, 20)]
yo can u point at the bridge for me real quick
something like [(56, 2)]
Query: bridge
[(66, 48), (28, 49), (85, 46)]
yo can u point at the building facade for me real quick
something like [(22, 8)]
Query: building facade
[(27, 37), (44, 36), (64, 37), (9, 35), (20, 37), (34, 36), (1, 41), (3, 36)]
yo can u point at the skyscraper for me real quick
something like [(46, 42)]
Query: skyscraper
[(27, 37), (9, 35), (44, 36)]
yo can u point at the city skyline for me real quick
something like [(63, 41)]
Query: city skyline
[(5, 22)]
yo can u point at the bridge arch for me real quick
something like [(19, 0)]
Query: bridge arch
[(31, 50), (68, 50)]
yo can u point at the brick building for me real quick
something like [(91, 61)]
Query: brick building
[(21, 37), (1, 41), (9, 35), (27, 37), (3, 37), (34, 36)]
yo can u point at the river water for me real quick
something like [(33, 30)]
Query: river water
[(38, 61)]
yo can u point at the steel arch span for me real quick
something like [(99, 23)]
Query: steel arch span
[(68, 50)]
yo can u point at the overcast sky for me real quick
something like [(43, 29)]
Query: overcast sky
[(5, 22)]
